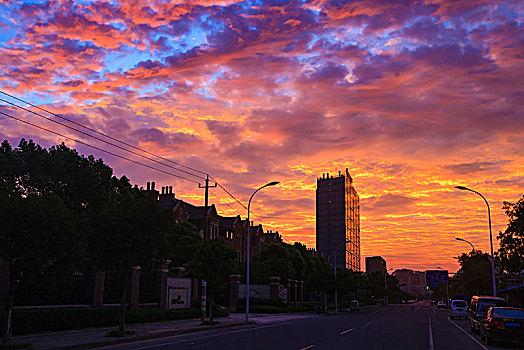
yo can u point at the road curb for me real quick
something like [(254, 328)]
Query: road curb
[(142, 337)]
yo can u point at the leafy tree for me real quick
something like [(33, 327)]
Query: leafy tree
[(321, 277), (476, 274), (43, 209), (274, 260), (511, 251), (185, 241), (133, 229), (213, 262)]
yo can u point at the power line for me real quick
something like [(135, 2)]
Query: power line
[(99, 133), (99, 139), (117, 140), (97, 148), (223, 188), (219, 198)]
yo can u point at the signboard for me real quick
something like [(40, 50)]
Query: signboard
[(282, 293), (435, 277)]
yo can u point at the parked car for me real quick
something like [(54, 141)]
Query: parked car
[(478, 306), (354, 306), (459, 308), (503, 323), (441, 304)]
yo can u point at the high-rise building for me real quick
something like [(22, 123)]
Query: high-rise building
[(338, 220), (375, 264)]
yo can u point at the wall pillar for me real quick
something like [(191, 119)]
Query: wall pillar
[(301, 290), (194, 292), (234, 287), (135, 287), (4, 284), (98, 288), (161, 283), (295, 293), (274, 284), (288, 292)]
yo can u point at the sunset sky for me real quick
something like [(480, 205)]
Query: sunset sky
[(414, 97)]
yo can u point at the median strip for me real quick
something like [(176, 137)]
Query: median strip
[(347, 331)]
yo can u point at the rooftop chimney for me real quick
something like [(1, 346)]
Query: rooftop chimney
[(148, 185), (152, 186), (170, 189)]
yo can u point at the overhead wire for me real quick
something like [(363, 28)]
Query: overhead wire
[(114, 145), (99, 139), (95, 147), (101, 133)]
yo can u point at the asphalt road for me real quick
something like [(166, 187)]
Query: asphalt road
[(390, 327)]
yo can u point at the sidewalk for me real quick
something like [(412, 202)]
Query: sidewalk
[(93, 338)]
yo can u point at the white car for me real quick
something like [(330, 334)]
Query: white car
[(459, 308)]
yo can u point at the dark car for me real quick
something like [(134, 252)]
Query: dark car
[(503, 324), (478, 307)]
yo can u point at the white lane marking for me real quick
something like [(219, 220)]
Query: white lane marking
[(431, 347), (374, 312), (369, 323), (346, 331), (469, 335), (307, 347), (208, 336), (434, 311)]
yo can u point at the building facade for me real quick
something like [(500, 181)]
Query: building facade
[(412, 282), (338, 220), (375, 264)]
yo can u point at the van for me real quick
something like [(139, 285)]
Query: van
[(459, 308), (478, 307)]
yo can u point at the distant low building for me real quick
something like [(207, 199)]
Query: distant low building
[(412, 282), (375, 264)]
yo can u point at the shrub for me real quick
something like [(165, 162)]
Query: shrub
[(29, 321)]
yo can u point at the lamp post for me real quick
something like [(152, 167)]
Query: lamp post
[(335, 263), (463, 188), (248, 244), (468, 242)]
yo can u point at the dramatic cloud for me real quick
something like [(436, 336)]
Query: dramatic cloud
[(413, 97)]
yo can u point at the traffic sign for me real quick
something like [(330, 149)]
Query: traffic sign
[(435, 277)]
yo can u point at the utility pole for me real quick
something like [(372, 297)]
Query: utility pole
[(206, 205)]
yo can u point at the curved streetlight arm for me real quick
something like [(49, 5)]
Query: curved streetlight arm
[(468, 242), (464, 188), (248, 244)]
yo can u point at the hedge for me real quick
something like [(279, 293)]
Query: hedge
[(29, 321)]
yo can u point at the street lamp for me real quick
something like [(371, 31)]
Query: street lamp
[(248, 244), (335, 261), (462, 188), (468, 242)]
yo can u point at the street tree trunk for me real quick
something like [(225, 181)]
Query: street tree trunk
[(211, 299), (7, 328), (123, 299)]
